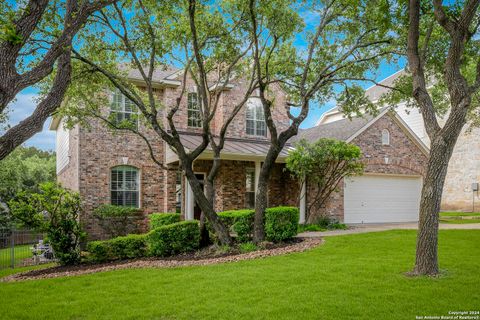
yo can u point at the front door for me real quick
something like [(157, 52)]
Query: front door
[(196, 209)]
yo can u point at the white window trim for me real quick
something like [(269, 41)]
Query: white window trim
[(385, 137), (199, 110), (139, 186), (254, 119), (122, 109)]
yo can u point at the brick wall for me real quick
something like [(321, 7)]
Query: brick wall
[(96, 150)]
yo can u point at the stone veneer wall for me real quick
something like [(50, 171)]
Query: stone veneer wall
[(463, 170), (404, 158)]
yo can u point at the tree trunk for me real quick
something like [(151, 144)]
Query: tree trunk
[(220, 230), (261, 197), (426, 262)]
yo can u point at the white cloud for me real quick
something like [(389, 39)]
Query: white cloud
[(21, 108)]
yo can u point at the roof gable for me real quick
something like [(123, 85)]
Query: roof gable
[(347, 130)]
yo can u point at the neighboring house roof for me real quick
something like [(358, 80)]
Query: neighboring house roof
[(347, 129), (159, 74), (234, 148), (373, 93)]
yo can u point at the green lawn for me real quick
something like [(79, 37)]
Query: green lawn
[(456, 217), (459, 214), (21, 252), (459, 221), (9, 271), (350, 277)]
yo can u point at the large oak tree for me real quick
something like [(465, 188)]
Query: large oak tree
[(35, 41), (442, 46)]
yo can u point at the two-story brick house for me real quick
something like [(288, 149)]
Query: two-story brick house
[(108, 167)]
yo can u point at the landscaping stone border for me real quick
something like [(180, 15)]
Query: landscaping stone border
[(305, 244)]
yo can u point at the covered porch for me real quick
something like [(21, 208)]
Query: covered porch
[(237, 180)]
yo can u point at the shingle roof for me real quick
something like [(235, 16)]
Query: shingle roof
[(160, 73), (375, 92), (340, 129), (248, 147)]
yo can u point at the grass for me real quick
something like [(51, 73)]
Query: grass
[(459, 214), (357, 276), (456, 217), (316, 227), (459, 221), (21, 253), (9, 271)]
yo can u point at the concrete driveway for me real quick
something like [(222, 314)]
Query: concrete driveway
[(375, 227)]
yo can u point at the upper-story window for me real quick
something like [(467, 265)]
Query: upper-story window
[(194, 112), (256, 125), (125, 186), (385, 137), (123, 109)]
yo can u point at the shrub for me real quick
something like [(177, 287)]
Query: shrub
[(322, 221), (163, 219), (337, 226), (117, 220), (247, 247), (127, 247), (310, 227), (55, 211), (281, 223), (240, 222), (175, 238)]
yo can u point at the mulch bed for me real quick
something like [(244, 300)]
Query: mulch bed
[(203, 257)]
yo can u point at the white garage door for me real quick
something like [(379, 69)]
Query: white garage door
[(376, 199)]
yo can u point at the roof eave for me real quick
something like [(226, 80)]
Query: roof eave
[(54, 123), (208, 155)]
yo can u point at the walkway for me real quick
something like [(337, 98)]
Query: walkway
[(364, 228)]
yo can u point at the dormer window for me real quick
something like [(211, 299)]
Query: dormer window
[(385, 137), (194, 112), (123, 109), (256, 125)]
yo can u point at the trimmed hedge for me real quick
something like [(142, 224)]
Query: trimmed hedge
[(281, 223), (118, 220), (163, 219), (239, 221), (127, 247), (175, 238)]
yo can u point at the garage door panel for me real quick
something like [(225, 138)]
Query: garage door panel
[(376, 199)]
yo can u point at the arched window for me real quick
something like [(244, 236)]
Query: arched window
[(125, 186), (385, 137), (256, 125)]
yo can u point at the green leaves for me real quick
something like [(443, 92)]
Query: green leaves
[(23, 170), (323, 164), (55, 211), (9, 34), (314, 160)]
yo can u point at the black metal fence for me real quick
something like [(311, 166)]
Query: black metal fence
[(19, 248)]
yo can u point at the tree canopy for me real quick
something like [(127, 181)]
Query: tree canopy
[(323, 164)]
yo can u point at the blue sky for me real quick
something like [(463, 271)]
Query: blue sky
[(25, 104)]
